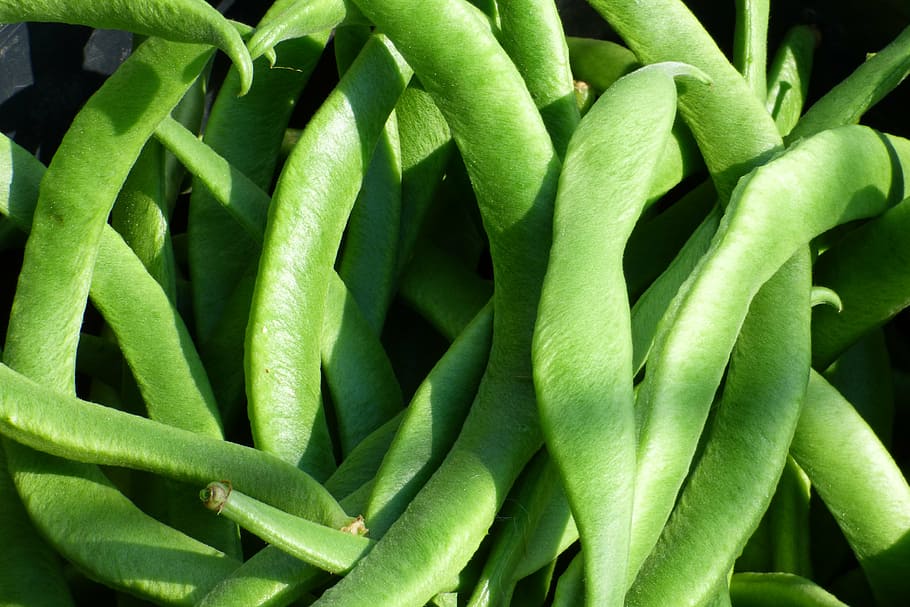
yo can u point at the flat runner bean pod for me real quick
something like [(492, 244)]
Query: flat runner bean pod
[(778, 590), (861, 486), (750, 44), (53, 287), (759, 231), (332, 550), (788, 77), (86, 432), (852, 97), (177, 20), (287, 19), (313, 197), (582, 349), (532, 34), (744, 453), (734, 131), (868, 270), (476, 86)]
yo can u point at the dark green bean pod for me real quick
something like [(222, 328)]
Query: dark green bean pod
[(176, 20), (443, 290), (750, 43), (778, 590), (361, 465), (570, 591), (788, 522), (582, 348), (599, 63), (788, 76), (860, 484), (760, 231), (30, 572), (310, 208), (868, 269), (441, 402), (852, 97), (531, 33)]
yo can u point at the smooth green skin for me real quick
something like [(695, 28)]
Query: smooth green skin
[(760, 231), (430, 424), (868, 269), (86, 432), (867, 85), (329, 549), (733, 481), (361, 465), (363, 385), (177, 20), (531, 33), (788, 522), (288, 19), (114, 125), (364, 389), (750, 44), (582, 348), (481, 94), (734, 131), (443, 289), (310, 208), (30, 571), (860, 484), (788, 77), (174, 387), (778, 590)]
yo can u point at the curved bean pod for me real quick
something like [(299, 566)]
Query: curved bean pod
[(757, 234), (313, 197), (287, 19), (788, 77), (176, 20), (868, 270), (778, 590), (750, 43), (570, 590), (599, 63), (582, 349), (532, 34), (745, 450), (86, 432), (852, 97), (860, 484), (332, 550)]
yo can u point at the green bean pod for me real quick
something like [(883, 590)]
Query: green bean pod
[(788, 77), (861, 486), (582, 346), (332, 550), (760, 231), (599, 63), (177, 20), (852, 97), (744, 452), (532, 34), (731, 125), (868, 270), (750, 44), (310, 207), (287, 19), (778, 590), (441, 402), (361, 465), (570, 591)]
